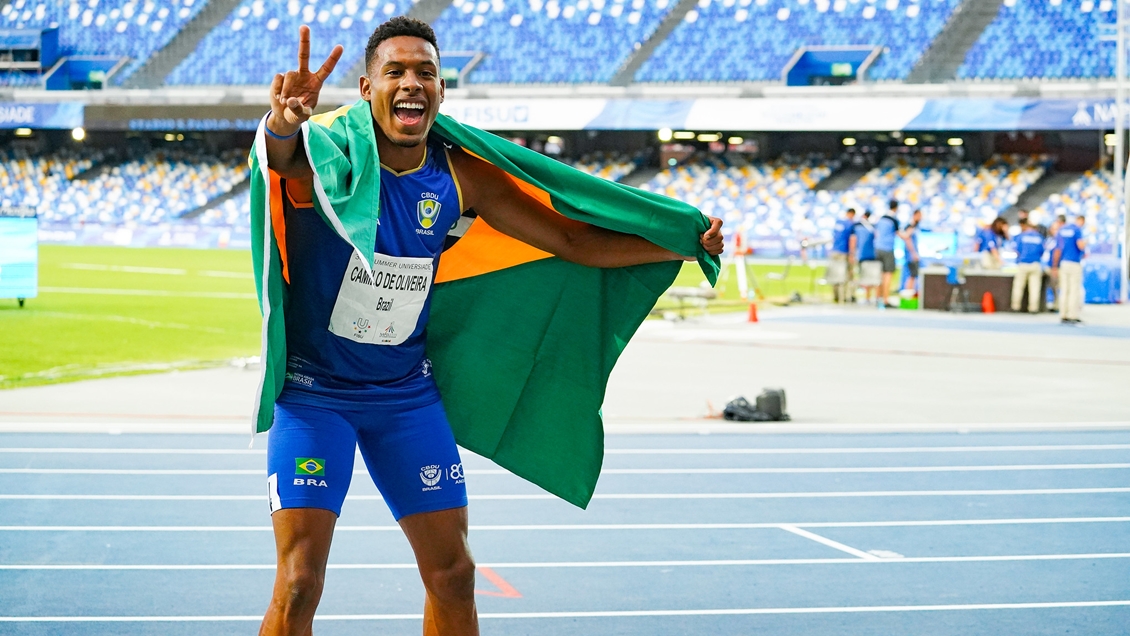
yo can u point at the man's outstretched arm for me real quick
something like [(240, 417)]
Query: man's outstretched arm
[(294, 95), (502, 204)]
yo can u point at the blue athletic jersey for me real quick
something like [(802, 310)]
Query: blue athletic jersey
[(987, 240), (886, 228), (1029, 247), (1068, 241), (841, 236), (864, 241), (417, 209)]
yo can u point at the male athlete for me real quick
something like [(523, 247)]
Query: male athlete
[(380, 395)]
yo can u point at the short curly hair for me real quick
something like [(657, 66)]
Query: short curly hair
[(396, 27)]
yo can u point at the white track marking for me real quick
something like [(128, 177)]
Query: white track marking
[(225, 274), (100, 291), (866, 609), (602, 527), (851, 450), (555, 565), (127, 269), (607, 471), (830, 543), (620, 496), (626, 451)]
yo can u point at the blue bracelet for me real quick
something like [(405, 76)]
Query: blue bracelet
[(277, 136)]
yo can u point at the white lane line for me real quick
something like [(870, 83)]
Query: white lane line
[(851, 450), (830, 543), (591, 614), (554, 565), (626, 451), (620, 496), (607, 471), (100, 291), (602, 527)]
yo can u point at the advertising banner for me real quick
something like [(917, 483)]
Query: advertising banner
[(19, 253), (64, 115)]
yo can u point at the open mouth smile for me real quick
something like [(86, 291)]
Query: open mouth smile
[(409, 113)]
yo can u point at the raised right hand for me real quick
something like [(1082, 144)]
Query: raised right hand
[(294, 94)]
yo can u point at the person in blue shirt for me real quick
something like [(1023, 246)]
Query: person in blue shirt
[(840, 260), (1029, 272), (910, 237), (863, 247), (886, 230), (1068, 257), (988, 243)]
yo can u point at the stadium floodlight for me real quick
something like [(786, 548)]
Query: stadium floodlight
[(896, 135), (735, 141), (955, 141), (665, 134), (23, 132), (684, 134), (1110, 139), (849, 141), (78, 134), (709, 137), (911, 141), (170, 137)]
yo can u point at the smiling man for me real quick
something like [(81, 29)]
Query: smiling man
[(358, 293)]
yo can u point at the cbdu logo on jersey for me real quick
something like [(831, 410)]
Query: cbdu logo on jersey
[(427, 211)]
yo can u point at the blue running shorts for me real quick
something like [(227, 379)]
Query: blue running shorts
[(408, 448)]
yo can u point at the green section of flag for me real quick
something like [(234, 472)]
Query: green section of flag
[(309, 466), (522, 355)]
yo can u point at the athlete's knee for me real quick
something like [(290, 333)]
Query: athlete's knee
[(301, 590), (453, 581)]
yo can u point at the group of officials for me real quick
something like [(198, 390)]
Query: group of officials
[(871, 245), (1057, 250)]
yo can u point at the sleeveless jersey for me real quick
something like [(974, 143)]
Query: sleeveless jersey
[(357, 336)]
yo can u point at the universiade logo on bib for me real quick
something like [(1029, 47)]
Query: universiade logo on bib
[(427, 210)]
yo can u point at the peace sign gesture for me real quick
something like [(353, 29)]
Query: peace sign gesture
[(294, 94)]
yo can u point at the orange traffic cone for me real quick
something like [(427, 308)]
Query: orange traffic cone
[(987, 304), (753, 312)]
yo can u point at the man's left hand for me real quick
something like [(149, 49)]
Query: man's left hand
[(712, 239)]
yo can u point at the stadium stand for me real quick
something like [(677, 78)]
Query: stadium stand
[(125, 28), (34, 180), (1092, 195), (244, 48), (159, 186), (762, 199), (776, 199), (610, 165), (1043, 39), (548, 41), (233, 212), (752, 40)]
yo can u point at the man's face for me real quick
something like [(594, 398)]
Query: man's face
[(1079, 221), (404, 89)]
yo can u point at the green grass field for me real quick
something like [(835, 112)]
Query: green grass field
[(106, 311), (112, 311)]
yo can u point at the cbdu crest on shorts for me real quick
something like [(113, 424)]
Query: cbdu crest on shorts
[(427, 210)]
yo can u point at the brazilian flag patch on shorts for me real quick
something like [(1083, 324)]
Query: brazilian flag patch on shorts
[(309, 466)]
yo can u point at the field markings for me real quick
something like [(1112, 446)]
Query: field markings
[(864, 609), (225, 274), (557, 565), (833, 494), (129, 269), (587, 527), (628, 451), (128, 320), (106, 291), (836, 545), (606, 471)]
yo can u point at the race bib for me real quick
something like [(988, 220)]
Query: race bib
[(381, 309)]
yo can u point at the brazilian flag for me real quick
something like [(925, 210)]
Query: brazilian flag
[(522, 342)]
